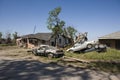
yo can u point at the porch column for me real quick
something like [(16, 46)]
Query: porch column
[(27, 43)]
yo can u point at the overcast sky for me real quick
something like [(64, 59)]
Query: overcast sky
[(97, 17)]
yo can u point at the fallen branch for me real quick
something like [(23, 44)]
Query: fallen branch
[(69, 59)]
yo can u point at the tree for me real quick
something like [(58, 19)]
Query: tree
[(71, 32), (15, 35), (0, 35), (54, 23), (8, 37)]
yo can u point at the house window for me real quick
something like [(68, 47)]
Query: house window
[(52, 43), (60, 41)]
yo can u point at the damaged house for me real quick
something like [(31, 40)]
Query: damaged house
[(111, 40), (33, 40)]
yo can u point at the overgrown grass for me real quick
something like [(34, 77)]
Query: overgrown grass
[(11, 44), (111, 54), (106, 61), (6, 47)]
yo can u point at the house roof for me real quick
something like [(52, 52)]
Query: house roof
[(41, 36), (115, 35)]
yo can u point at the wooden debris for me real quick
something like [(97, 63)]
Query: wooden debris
[(69, 59)]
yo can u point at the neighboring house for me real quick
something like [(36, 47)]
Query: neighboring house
[(37, 39), (61, 41), (111, 40)]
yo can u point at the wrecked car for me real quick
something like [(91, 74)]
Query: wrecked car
[(100, 47), (82, 46), (48, 51), (88, 46)]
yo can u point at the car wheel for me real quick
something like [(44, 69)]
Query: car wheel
[(89, 46), (50, 56)]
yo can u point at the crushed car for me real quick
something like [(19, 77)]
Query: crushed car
[(48, 51), (100, 47), (82, 46), (88, 46)]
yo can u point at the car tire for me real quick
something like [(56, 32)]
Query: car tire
[(89, 46), (50, 56)]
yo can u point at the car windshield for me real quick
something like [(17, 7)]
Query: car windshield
[(77, 44), (50, 47)]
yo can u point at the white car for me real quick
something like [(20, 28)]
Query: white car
[(49, 51), (82, 46)]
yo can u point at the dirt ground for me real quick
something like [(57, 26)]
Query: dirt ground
[(17, 64)]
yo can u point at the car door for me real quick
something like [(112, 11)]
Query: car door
[(80, 46)]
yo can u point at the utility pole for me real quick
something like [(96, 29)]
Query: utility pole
[(34, 29)]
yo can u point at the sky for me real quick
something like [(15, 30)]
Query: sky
[(97, 17)]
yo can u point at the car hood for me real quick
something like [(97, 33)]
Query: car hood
[(91, 42), (54, 51)]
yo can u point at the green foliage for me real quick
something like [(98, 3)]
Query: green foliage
[(54, 23), (0, 35), (71, 31), (8, 35), (15, 35), (107, 61), (9, 39)]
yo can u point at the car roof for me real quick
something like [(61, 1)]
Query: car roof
[(43, 45)]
